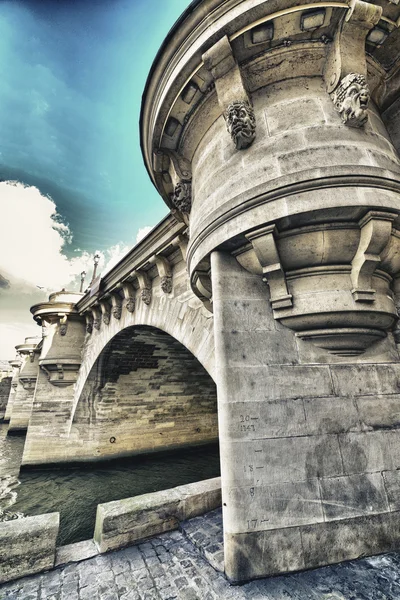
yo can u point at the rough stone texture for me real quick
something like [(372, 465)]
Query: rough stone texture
[(5, 387), (137, 384), (27, 545), (125, 522), (309, 453), (174, 566)]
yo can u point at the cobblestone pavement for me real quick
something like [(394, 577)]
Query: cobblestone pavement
[(172, 567)]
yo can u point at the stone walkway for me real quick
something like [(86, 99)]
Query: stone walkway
[(175, 566)]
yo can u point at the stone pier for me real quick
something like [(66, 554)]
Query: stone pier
[(272, 130)]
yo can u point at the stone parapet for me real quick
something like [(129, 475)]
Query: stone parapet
[(132, 520), (27, 546)]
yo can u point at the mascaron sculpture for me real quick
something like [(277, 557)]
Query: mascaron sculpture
[(241, 124), (351, 99)]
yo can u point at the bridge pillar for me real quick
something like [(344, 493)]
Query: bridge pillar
[(20, 408), (59, 362), (16, 365), (263, 128)]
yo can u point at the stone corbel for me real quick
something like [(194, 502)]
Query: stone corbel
[(96, 318), (89, 322), (376, 228), (201, 281), (129, 297), (63, 325), (175, 172), (144, 285), (28, 383), (263, 242), (164, 272), (105, 311), (233, 99), (116, 303), (345, 71), (182, 242)]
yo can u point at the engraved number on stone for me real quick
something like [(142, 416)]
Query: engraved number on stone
[(249, 468), (252, 492), (252, 524)]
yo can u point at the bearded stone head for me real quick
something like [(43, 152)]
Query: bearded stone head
[(182, 196), (130, 304), (117, 311), (351, 99), (241, 124)]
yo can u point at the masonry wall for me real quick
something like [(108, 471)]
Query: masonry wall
[(5, 387), (309, 442)]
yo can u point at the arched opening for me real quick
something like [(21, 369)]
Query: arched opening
[(146, 392)]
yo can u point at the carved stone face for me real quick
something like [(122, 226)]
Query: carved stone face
[(166, 284), (130, 305), (117, 311), (182, 196), (106, 318), (241, 124), (351, 100), (89, 327), (146, 295)]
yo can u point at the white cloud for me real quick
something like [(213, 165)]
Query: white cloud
[(143, 231), (32, 238)]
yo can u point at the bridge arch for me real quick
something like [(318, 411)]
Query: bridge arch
[(146, 391)]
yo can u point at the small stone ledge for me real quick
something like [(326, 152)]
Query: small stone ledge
[(76, 552), (28, 545), (132, 520)]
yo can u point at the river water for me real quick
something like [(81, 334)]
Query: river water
[(75, 492)]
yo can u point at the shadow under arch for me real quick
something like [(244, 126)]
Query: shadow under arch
[(145, 392)]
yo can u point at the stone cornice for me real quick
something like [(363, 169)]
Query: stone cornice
[(140, 256), (313, 179)]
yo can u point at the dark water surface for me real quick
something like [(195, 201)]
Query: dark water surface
[(75, 492)]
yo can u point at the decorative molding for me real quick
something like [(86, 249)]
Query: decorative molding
[(202, 286), (376, 228), (241, 123), (89, 322), (144, 285), (63, 325), (351, 99), (181, 197), (347, 52), (129, 297), (165, 273), (116, 309), (232, 96), (105, 311), (96, 318), (263, 242), (28, 383)]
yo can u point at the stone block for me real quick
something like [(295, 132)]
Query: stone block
[(392, 485), (257, 554), (260, 508), (353, 496), (368, 452), (299, 113), (330, 415), (368, 380), (264, 461), (125, 522), (379, 411), (277, 418), (337, 541), (28, 545)]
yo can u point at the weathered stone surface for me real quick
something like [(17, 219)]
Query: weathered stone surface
[(27, 545), (125, 522)]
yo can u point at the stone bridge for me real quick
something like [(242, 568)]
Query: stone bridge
[(271, 129)]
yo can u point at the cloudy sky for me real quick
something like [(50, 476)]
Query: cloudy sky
[(72, 74)]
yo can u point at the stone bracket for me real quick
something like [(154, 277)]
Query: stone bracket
[(116, 303), (105, 311), (233, 98), (144, 285), (376, 229), (129, 297), (201, 281), (89, 322), (175, 172), (96, 318), (164, 271), (63, 325), (347, 52), (263, 242)]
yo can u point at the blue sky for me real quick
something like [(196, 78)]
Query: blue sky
[(72, 74)]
